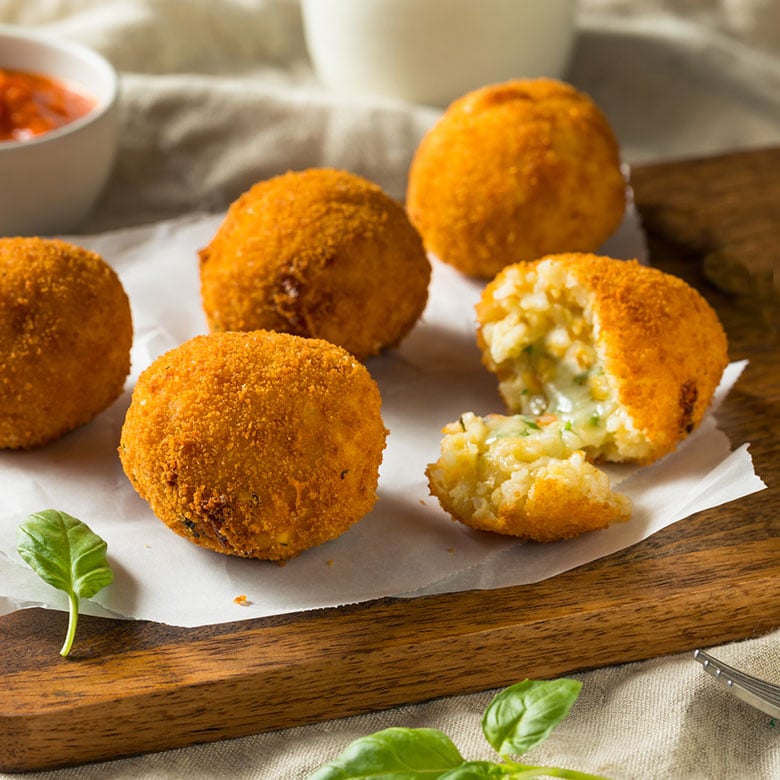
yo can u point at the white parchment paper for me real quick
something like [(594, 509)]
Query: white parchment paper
[(406, 546)]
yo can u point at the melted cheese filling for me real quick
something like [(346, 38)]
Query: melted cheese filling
[(541, 343)]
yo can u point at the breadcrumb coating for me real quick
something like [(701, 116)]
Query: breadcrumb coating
[(319, 253), (514, 171), (255, 444), (65, 338), (598, 360)]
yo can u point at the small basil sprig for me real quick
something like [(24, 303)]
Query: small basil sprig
[(518, 718), (67, 554)]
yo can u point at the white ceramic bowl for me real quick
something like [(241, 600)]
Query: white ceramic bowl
[(49, 183), (433, 51)]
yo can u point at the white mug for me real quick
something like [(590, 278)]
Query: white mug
[(432, 51)]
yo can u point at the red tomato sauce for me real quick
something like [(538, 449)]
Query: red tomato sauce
[(31, 104)]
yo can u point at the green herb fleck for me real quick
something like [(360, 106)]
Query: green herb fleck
[(68, 555)]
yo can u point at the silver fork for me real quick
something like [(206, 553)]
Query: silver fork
[(760, 694)]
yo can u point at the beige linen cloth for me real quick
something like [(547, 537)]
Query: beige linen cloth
[(217, 94)]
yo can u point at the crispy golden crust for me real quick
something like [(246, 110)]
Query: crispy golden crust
[(318, 253), (553, 510), (65, 338), (661, 344), (256, 444), (514, 171)]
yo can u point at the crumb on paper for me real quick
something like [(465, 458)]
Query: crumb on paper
[(242, 600), (451, 550), (330, 561)]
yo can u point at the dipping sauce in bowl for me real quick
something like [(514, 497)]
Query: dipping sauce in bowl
[(32, 103), (59, 131)]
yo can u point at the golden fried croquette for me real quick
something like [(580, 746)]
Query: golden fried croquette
[(629, 354), (319, 253), (255, 444), (597, 360), (65, 338), (515, 171)]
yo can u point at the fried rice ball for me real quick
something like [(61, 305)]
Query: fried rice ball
[(319, 253), (255, 444), (514, 171), (597, 360), (65, 337), (626, 351)]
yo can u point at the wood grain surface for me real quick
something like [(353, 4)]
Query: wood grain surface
[(132, 686)]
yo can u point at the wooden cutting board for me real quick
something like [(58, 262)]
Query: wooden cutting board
[(132, 687)]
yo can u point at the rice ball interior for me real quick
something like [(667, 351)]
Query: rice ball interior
[(515, 476)]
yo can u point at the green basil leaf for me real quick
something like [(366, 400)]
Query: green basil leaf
[(479, 770), (65, 553), (523, 715), (486, 770), (394, 754)]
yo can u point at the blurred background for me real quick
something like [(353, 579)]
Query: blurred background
[(216, 94)]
